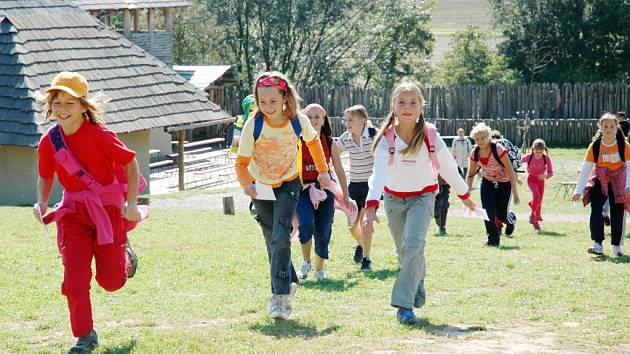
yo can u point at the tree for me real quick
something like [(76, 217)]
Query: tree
[(565, 40), (472, 62), (318, 41), (194, 37)]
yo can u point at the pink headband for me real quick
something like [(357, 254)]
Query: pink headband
[(273, 82)]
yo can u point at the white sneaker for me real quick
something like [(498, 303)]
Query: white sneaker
[(276, 308), (596, 249), (304, 269), (288, 307), (617, 251), (320, 275)]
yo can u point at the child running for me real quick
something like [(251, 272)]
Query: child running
[(358, 140), (98, 174), (408, 155), (461, 151), (539, 169), (498, 181), (315, 214), (267, 158), (604, 176)]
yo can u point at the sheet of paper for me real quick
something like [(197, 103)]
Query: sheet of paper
[(264, 192), (482, 213), (39, 211)]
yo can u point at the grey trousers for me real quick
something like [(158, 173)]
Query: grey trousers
[(409, 220)]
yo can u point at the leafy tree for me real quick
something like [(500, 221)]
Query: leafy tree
[(565, 40), (194, 37), (315, 41), (472, 62)]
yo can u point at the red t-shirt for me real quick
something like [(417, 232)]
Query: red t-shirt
[(97, 149), (309, 170)]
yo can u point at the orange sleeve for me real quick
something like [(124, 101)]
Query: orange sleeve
[(626, 152), (589, 154), (242, 173), (317, 152)]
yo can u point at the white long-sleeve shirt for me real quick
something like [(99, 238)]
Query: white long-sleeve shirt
[(412, 175)]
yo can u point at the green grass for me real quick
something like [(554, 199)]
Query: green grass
[(202, 286)]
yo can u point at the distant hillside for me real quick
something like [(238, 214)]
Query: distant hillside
[(450, 16)]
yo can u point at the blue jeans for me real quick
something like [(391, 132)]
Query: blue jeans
[(409, 220), (276, 219), (316, 222)]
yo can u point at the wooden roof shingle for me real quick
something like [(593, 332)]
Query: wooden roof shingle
[(40, 38), (128, 4)]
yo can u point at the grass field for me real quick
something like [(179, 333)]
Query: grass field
[(202, 286)]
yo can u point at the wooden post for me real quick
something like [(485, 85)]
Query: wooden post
[(180, 158), (127, 23), (151, 25), (168, 19), (228, 205), (136, 20)]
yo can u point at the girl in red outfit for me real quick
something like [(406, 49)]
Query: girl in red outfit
[(90, 217), (538, 169)]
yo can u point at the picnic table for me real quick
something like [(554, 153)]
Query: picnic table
[(203, 142)]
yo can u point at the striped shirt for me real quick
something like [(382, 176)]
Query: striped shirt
[(361, 158)]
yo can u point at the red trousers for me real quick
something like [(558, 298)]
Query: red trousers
[(537, 186), (78, 246)]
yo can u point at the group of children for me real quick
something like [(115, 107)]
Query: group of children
[(291, 153)]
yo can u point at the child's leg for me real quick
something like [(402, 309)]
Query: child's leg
[(264, 216), (444, 204), (79, 238), (488, 202), (323, 228), (358, 192), (616, 218), (112, 263), (414, 214), (286, 202), (503, 195), (533, 187), (306, 214), (596, 221), (541, 193)]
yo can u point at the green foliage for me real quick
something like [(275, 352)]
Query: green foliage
[(565, 40), (472, 62), (314, 42)]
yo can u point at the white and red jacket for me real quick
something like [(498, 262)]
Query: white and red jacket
[(410, 176)]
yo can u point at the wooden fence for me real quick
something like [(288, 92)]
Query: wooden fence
[(555, 132), (547, 101)]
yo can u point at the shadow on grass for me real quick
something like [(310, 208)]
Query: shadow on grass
[(292, 329), (604, 258), (329, 284), (551, 233), (447, 331), (381, 274), (509, 248), (121, 349)]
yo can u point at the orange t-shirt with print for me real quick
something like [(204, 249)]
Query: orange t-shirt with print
[(608, 156)]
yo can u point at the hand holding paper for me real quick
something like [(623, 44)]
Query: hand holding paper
[(264, 192)]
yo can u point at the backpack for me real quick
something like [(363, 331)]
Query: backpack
[(258, 125), (430, 135), (621, 146), (512, 152)]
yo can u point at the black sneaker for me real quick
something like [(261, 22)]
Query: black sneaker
[(86, 343), (366, 265), (358, 253), (133, 259), (442, 231), (509, 226)]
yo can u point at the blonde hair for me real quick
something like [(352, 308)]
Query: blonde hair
[(418, 130), (539, 144), (359, 110), (291, 97), (606, 116), (480, 129), (93, 106)]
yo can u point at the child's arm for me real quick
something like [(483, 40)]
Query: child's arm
[(449, 172), (376, 182), (132, 170), (44, 188), (549, 167), (513, 179), (526, 158), (472, 171), (244, 155), (585, 172), (341, 173)]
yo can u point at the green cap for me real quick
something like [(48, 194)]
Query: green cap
[(247, 103)]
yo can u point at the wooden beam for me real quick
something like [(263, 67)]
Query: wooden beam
[(180, 158), (151, 25), (127, 23), (136, 20), (168, 19)]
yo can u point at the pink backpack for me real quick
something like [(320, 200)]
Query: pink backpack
[(430, 135)]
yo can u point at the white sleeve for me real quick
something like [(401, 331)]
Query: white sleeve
[(627, 174), (585, 173), (376, 182), (448, 168)]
